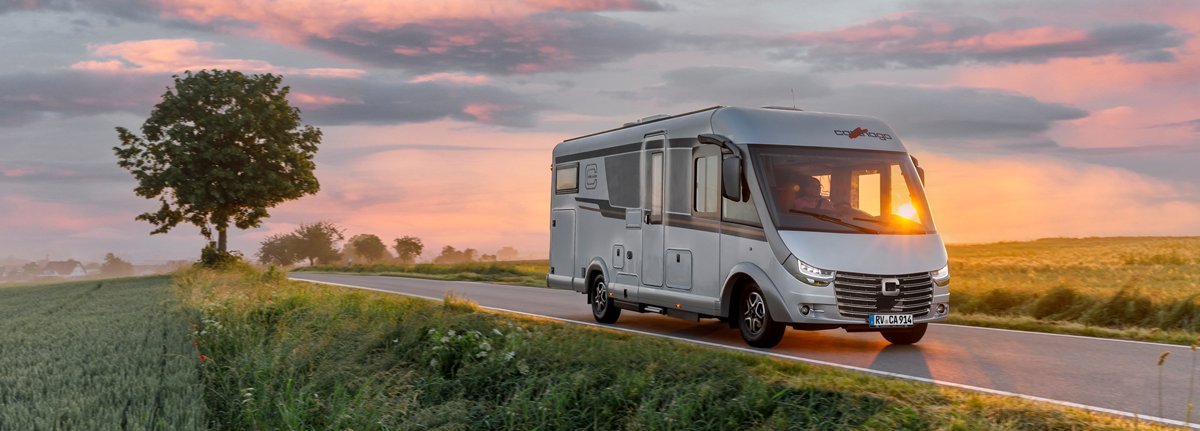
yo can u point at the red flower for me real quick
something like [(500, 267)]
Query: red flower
[(202, 358)]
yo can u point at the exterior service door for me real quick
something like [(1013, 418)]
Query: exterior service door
[(652, 208)]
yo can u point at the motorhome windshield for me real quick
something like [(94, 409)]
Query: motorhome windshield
[(841, 190)]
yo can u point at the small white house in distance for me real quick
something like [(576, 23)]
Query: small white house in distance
[(69, 269)]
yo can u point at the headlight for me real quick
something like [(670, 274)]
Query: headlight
[(807, 273), (941, 277)]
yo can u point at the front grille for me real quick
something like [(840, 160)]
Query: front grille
[(861, 294)]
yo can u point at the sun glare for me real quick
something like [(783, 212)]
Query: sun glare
[(907, 211)]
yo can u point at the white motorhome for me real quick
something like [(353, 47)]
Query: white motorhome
[(763, 218)]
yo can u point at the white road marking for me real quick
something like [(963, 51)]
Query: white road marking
[(1086, 337), (1131, 415)]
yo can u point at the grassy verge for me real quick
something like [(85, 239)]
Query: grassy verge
[(286, 354), (524, 273), (110, 354)]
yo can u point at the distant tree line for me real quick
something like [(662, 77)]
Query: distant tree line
[(322, 243), (112, 266)]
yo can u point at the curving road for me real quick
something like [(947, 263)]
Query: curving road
[(1113, 376)]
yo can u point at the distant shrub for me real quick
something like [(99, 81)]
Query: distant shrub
[(1060, 301), (1182, 314), (211, 257), (1000, 301), (1125, 308), (1172, 258)]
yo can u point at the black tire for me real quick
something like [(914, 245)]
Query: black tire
[(603, 309), (754, 319), (905, 336)]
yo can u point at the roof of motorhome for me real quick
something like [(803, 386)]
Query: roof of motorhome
[(752, 126), (644, 121)]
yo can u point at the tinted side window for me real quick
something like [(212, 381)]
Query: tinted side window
[(623, 179), (566, 178), (742, 212)]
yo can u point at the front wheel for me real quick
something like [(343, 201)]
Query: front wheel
[(603, 309), (905, 336), (755, 322)]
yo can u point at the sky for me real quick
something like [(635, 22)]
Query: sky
[(1032, 119)]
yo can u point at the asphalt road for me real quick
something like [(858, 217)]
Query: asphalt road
[(1109, 375)]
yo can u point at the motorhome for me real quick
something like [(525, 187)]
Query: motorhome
[(764, 218)]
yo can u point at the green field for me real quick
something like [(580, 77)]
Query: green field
[(1142, 288), (98, 355), (293, 355)]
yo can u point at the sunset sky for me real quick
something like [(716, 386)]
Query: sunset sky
[(1032, 119)]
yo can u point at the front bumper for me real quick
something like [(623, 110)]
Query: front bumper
[(824, 311)]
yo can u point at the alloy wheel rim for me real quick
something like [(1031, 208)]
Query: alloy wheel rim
[(754, 313), (600, 300)]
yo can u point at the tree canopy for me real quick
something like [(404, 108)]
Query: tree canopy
[(408, 248), (368, 248), (221, 147), (318, 242), (279, 249), (114, 266)]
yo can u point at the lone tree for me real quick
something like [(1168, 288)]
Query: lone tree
[(115, 267), (408, 248), (279, 249), (367, 247), (222, 147), (317, 242)]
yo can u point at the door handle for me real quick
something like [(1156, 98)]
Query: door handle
[(646, 217)]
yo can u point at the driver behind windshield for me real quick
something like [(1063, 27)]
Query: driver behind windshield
[(808, 195)]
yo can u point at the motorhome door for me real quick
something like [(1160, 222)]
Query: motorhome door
[(652, 207)]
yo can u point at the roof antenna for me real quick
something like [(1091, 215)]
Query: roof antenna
[(793, 97)]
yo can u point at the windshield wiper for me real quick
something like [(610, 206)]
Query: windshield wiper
[(894, 219), (834, 220)]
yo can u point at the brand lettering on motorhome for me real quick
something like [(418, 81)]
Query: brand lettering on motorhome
[(859, 131)]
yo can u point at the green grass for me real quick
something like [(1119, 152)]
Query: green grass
[(524, 273), (97, 355), (285, 354)]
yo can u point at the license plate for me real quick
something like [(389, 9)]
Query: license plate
[(890, 320)]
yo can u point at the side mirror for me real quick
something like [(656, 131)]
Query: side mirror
[(920, 170), (731, 178), (720, 141)]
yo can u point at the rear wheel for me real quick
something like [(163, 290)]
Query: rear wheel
[(905, 336), (603, 309), (754, 320)]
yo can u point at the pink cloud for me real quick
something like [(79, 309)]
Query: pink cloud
[(923, 40), (177, 55), (21, 212), (452, 77), (1001, 41), (306, 100), (293, 21), (597, 5)]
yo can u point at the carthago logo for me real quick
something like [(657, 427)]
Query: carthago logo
[(859, 131)]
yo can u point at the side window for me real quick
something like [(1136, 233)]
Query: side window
[(655, 194), (865, 186), (742, 212), (566, 178), (706, 189)]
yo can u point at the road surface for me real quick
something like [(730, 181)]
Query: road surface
[(1114, 376)]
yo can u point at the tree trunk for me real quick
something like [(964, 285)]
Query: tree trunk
[(221, 240)]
